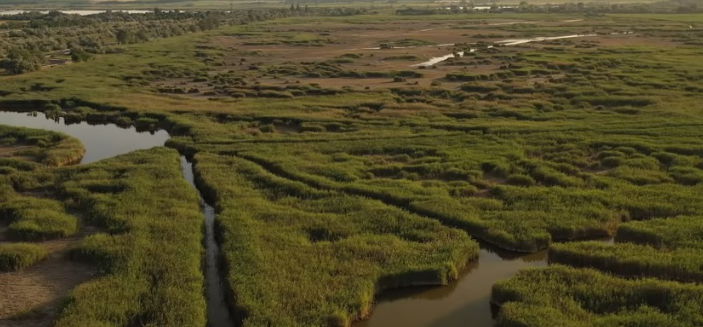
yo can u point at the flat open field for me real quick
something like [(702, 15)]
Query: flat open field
[(363, 168)]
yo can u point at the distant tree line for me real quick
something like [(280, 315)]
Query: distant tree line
[(673, 6), (26, 38)]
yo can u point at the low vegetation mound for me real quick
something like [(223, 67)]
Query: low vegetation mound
[(562, 296), (17, 256)]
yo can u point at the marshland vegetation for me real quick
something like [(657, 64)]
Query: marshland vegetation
[(338, 170)]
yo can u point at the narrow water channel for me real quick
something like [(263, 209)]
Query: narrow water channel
[(465, 302), (217, 310), (109, 140)]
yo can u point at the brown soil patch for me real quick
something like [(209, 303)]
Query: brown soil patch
[(32, 297)]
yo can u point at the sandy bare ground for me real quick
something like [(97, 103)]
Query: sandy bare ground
[(31, 297)]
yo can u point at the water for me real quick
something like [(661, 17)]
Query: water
[(508, 42), (100, 141), (464, 303), (109, 140), (217, 309), (435, 60), (410, 47)]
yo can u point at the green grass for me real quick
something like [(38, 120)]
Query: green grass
[(146, 279), (329, 193), (565, 296), (296, 255), (672, 233), (631, 260), (48, 148), (35, 219), (17, 256)]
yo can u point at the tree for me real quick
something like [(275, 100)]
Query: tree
[(123, 36), (20, 61), (78, 54)]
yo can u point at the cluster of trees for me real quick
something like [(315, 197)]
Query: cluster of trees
[(19, 60), (27, 37)]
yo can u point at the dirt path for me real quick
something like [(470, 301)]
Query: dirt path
[(35, 293)]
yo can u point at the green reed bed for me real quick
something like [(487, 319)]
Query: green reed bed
[(563, 296), (150, 255), (48, 148), (17, 256), (298, 255), (631, 260), (36, 219), (665, 233)]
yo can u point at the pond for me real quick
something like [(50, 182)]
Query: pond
[(100, 141)]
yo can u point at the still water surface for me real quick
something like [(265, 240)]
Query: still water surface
[(464, 303), (100, 141)]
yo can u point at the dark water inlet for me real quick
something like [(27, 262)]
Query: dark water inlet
[(465, 302), (109, 140), (217, 309)]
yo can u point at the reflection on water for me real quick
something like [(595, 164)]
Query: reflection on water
[(100, 141), (464, 303)]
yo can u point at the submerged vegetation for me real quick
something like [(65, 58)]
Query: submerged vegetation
[(340, 168)]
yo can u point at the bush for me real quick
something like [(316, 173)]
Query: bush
[(19, 61)]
